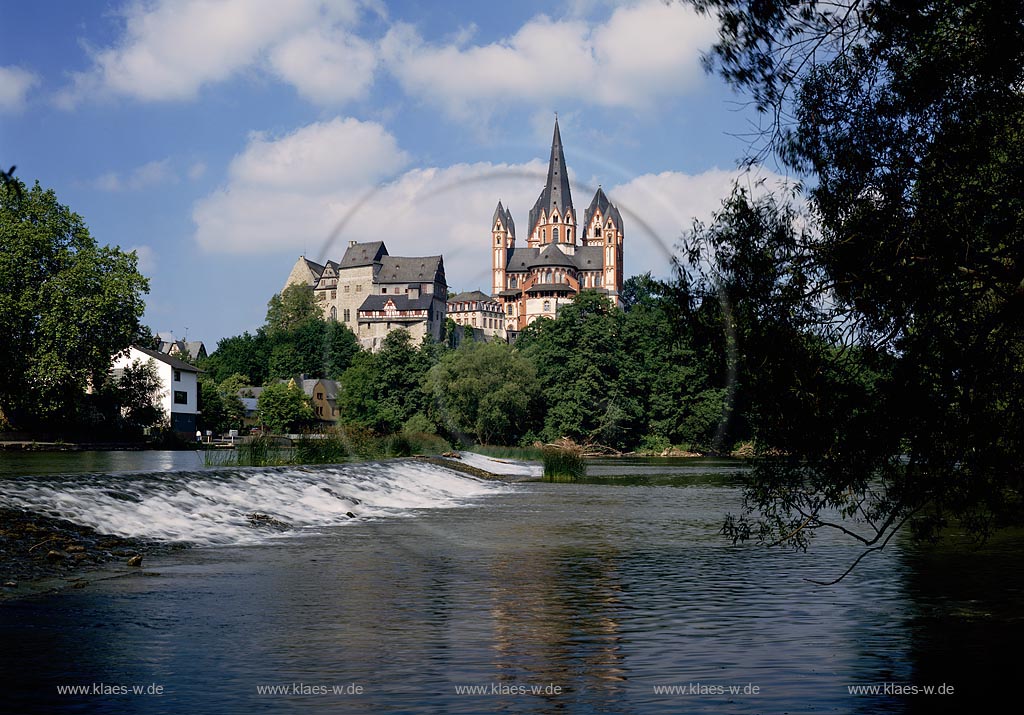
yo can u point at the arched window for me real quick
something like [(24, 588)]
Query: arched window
[(547, 306), (334, 313), (554, 234)]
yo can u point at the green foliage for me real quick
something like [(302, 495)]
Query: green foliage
[(296, 340), (284, 407), (67, 305), (612, 376), (419, 423), (888, 335), (382, 390), (485, 391), (291, 308)]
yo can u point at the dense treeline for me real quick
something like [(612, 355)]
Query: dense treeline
[(651, 375)]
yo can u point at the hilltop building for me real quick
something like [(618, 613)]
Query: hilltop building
[(479, 311), (562, 255), (374, 293)]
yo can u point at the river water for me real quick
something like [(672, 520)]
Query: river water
[(452, 595)]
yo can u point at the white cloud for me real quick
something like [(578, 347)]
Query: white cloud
[(15, 84), (642, 52), (170, 49), (326, 66), (316, 189), (288, 191), (152, 173), (197, 170)]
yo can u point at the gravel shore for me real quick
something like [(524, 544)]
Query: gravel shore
[(42, 554)]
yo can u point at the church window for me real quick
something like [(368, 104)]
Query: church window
[(497, 241), (547, 306), (334, 313), (508, 308), (543, 234), (554, 234)]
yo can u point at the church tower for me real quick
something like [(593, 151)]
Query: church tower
[(503, 238), (553, 219)]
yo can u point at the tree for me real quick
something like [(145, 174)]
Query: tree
[(902, 302), (68, 305), (291, 308), (487, 391), (578, 357), (130, 402), (383, 390), (284, 407)]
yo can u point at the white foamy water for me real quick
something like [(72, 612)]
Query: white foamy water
[(505, 467), (214, 507)]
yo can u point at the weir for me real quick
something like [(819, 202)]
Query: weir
[(222, 506)]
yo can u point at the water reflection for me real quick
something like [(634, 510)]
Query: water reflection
[(607, 592)]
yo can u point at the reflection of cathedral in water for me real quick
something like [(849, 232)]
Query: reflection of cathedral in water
[(556, 621)]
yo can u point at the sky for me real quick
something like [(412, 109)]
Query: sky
[(222, 139)]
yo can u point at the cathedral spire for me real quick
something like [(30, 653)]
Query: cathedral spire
[(556, 196)]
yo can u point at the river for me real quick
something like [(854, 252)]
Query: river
[(450, 594)]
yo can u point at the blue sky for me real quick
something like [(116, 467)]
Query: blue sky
[(221, 139)]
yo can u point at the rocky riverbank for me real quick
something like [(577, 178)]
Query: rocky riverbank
[(42, 553)]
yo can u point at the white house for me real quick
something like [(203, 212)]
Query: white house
[(179, 393)]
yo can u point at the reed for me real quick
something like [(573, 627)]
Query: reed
[(563, 462)]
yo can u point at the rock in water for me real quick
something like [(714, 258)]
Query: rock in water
[(52, 555), (135, 560), (265, 520)]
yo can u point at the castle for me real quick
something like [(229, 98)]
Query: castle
[(562, 256), (373, 293)]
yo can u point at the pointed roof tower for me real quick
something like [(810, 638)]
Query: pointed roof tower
[(556, 193)]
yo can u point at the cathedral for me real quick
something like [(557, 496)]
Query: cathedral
[(562, 256)]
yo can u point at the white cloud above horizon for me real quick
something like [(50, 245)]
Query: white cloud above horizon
[(644, 51), (15, 84), (171, 49), (313, 190)]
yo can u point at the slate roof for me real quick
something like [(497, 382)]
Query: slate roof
[(589, 258), (396, 269), (506, 219), (168, 359), (363, 254), (469, 296), (607, 208), (314, 267), (551, 255), (402, 302), (540, 287), (519, 259), (586, 258)]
